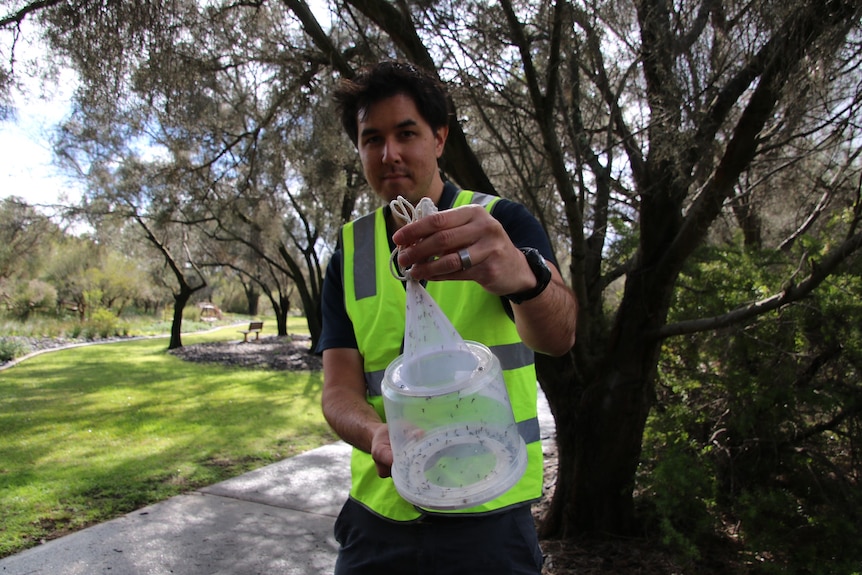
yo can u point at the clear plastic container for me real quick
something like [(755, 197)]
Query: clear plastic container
[(453, 434)]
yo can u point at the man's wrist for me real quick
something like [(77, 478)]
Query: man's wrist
[(543, 276)]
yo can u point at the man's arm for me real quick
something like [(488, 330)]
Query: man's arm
[(347, 411), (546, 323)]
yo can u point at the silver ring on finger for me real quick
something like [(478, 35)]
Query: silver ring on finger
[(466, 262)]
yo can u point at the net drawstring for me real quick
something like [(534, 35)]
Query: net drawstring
[(406, 212)]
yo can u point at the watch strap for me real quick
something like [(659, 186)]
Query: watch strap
[(542, 272)]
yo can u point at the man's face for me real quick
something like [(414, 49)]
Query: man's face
[(399, 150)]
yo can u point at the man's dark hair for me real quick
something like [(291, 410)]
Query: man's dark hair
[(387, 79)]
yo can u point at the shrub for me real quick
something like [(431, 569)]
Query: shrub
[(10, 348), (769, 410), (30, 297), (678, 486), (76, 330), (191, 313), (102, 323)]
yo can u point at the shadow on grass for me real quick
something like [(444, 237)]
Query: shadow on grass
[(94, 432)]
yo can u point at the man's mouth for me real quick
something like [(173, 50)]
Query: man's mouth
[(394, 176)]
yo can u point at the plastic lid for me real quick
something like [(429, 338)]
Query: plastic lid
[(441, 372), (458, 467)]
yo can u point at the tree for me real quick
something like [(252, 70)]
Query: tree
[(224, 124), (187, 274), (639, 132), (707, 107), (151, 196), (69, 270), (25, 238)]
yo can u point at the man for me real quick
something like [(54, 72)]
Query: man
[(503, 294)]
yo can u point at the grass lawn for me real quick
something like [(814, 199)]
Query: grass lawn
[(94, 432)]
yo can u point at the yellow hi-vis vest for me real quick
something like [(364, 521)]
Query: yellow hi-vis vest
[(375, 302)]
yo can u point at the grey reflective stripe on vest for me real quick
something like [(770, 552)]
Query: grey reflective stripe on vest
[(514, 355), (529, 430), (374, 382), (364, 269), (483, 199)]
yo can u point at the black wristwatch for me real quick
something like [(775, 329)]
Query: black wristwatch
[(540, 270)]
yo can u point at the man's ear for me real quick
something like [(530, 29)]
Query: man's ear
[(440, 135)]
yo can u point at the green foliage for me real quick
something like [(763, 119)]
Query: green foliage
[(25, 237), (92, 300), (233, 299), (191, 313), (103, 323), (681, 496), (11, 347), (39, 325), (32, 296), (801, 529), (50, 326), (759, 425), (76, 331)]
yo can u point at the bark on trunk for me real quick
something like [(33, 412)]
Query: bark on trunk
[(252, 296), (180, 301), (600, 405), (282, 310)]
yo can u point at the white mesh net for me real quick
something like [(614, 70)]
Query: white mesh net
[(427, 329)]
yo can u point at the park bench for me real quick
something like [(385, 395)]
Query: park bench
[(253, 327)]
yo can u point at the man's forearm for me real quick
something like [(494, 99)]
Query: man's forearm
[(353, 419), (547, 323)]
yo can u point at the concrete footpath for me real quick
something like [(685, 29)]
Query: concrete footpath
[(274, 520)]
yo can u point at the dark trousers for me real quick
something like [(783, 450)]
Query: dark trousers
[(503, 543)]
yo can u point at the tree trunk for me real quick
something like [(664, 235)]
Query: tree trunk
[(559, 382), (180, 301), (314, 316), (252, 296), (607, 438), (600, 404), (599, 434), (309, 294), (282, 310)]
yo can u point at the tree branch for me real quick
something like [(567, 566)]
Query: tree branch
[(18, 17), (820, 271), (844, 414), (318, 36), (465, 167), (774, 65)]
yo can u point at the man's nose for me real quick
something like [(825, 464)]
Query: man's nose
[(391, 152)]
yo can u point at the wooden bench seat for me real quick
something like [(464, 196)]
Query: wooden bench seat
[(253, 327)]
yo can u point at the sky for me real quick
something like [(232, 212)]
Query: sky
[(26, 168)]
